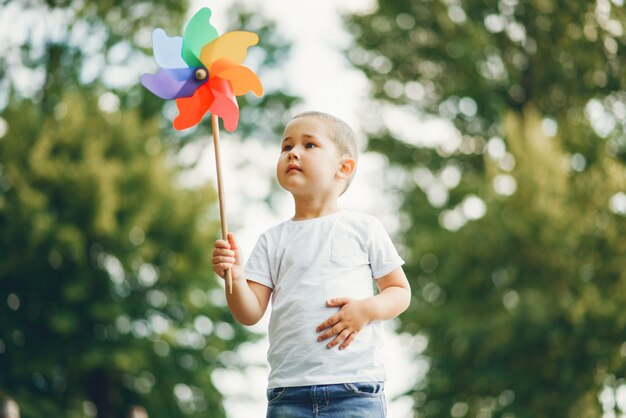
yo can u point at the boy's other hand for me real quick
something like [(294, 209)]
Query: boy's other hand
[(227, 255), (345, 324)]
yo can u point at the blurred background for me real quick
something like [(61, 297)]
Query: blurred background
[(494, 152)]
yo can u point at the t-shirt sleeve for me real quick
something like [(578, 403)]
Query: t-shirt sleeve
[(258, 265), (384, 257)]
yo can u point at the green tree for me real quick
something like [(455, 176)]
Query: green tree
[(513, 225), (105, 268), (107, 295)]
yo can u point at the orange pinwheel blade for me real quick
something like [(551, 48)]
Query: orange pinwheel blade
[(224, 104), (220, 65), (231, 45), (242, 79), (192, 109)]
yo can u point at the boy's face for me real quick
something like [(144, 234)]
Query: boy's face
[(309, 163)]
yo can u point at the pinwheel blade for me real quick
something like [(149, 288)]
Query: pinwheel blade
[(224, 104), (192, 109), (167, 49), (171, 84), (242, 79), (231, 45), (198, 33)]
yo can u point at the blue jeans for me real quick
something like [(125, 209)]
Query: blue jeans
[(344, 400)]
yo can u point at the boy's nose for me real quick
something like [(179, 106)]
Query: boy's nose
[(292, 154)]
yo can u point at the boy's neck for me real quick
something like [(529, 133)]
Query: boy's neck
[(309, 209)]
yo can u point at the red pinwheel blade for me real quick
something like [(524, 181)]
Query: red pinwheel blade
[(192, 109), (224, 104)]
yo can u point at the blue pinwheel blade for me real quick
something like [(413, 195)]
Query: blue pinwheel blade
[(167, 49), (172, 83)]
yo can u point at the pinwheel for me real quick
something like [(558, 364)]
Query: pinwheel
[(203, 72)]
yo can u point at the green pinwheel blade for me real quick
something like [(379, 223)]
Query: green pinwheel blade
[(198, 33)]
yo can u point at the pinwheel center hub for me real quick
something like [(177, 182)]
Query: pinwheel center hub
[(201, 74)]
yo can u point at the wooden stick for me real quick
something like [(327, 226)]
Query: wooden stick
[(220, 192)]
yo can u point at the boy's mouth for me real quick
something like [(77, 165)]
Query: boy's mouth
[(293, 167)]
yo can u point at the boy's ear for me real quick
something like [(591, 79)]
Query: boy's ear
[(348, 165)]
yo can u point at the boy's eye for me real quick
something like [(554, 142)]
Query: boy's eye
[(309, 145), (287, 147)]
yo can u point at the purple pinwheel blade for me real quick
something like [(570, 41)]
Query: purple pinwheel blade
[(167, 50), (171, 83)]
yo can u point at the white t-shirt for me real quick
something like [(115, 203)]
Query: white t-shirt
[(306, 263)]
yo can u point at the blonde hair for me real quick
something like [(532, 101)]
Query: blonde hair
[(342, 135)]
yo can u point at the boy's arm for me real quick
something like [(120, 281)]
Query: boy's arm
[(249, 299), (393, 299)]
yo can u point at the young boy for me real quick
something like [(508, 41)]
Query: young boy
[(325, 329)]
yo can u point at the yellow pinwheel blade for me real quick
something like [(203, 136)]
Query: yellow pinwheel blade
[(231, 45), (242, 79)]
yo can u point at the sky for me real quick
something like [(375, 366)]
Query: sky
[(318, 71)]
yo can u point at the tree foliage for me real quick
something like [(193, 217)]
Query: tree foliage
[(104, 267), (512, 227)]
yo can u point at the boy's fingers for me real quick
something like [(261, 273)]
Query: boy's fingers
[(335, 330), (343, 336), (233, 241), (326, 335), (337, 301), (347, 341), (328, 323), (223, 260), (223, 253), (221, 267), (220, 243)]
